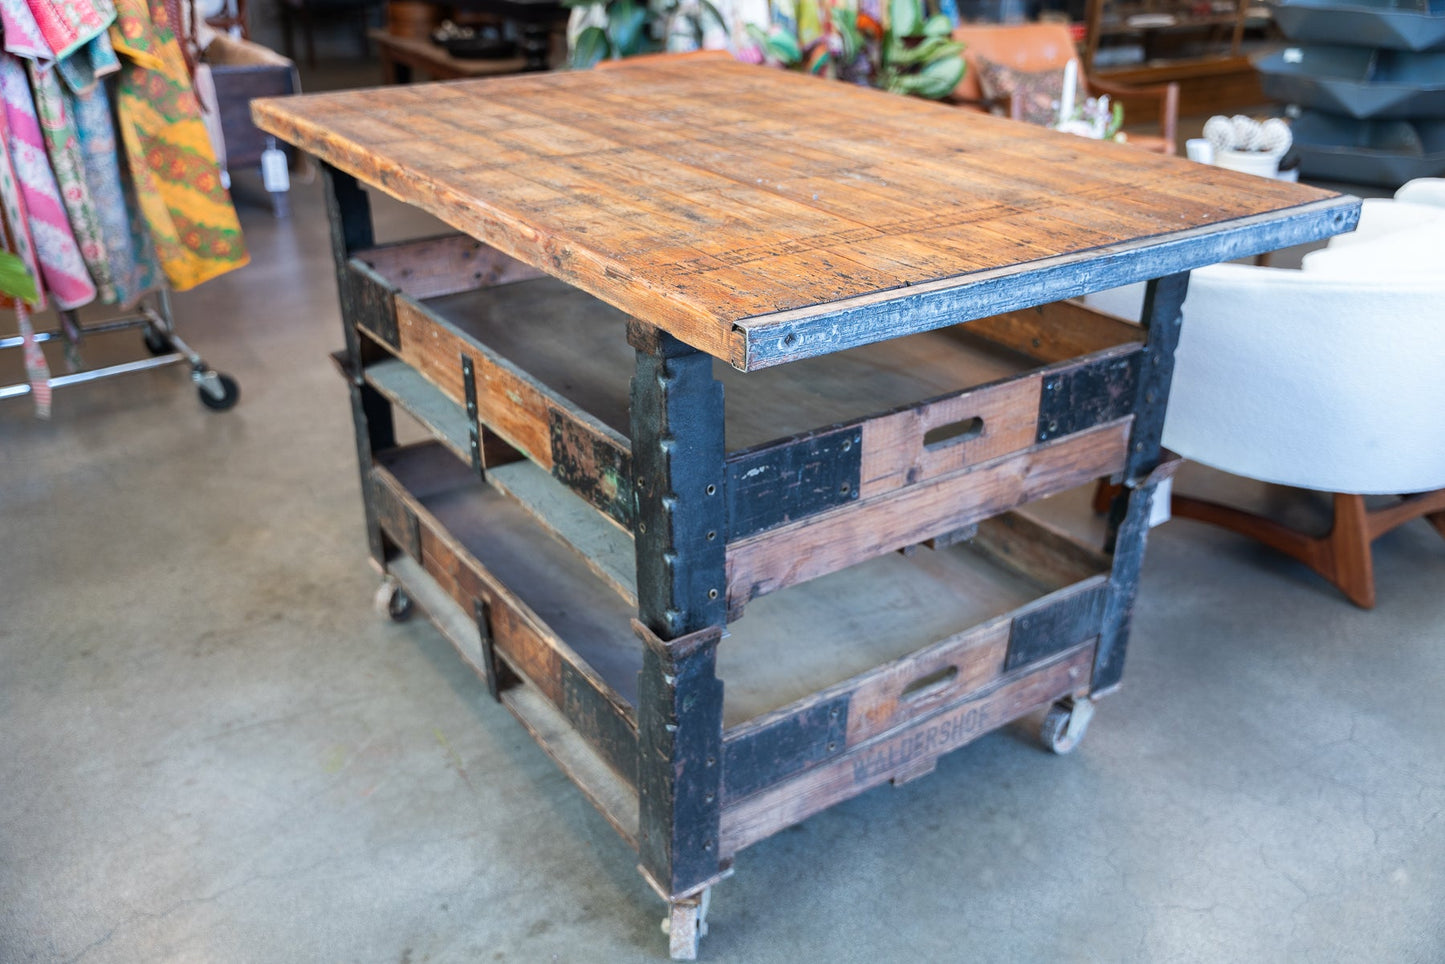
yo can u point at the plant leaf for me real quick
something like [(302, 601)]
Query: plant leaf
[(626, 20), (934, 81), (15, 279), (938, 25), (592, 46), (710, 12), (904, 17)]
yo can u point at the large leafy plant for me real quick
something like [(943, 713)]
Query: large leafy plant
[(913, 54), (631, 27)]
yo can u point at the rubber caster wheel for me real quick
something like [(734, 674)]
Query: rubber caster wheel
[(392, 601), (1065, 725), (218, 392), (685, 925), (155, 342)]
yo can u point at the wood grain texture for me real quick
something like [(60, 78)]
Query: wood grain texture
[(738, 207), (825, 543), (1056, 331), (432, 267)]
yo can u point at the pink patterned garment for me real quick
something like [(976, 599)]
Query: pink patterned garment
[(61, 266), (68, 25), (15, 235), (22, 33)]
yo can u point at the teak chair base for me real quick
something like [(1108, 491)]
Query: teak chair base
[(1342, 555)]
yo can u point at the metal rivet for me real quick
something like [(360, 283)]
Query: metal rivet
[(707, 845), (711, 761), (642, 527), (844, 488), (1138, 446), (847, 444), (712, 490), (712, 594), (708, 797), (832, 747), (711, 536)]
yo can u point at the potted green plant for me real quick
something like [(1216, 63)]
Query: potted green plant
[(913, 54)]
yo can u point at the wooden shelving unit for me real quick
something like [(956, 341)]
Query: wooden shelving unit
[(731, 566)]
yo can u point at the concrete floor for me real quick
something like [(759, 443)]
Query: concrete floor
[(211, 748)]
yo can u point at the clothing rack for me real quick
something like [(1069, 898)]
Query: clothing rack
[(158, 49), (217, 391)]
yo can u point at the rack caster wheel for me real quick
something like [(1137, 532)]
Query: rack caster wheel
[(685, 925), (1065, 724), (155, 342), (392, 601), (218, 392)]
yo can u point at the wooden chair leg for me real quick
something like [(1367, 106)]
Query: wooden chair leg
[(1437, 519), (1342, 556), (1350, 564)]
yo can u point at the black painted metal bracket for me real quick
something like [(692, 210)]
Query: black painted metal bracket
[(678, 472), (786, 746), (778, 483), (679, 759), (1046, 630), (1087, 395), (483, 615), (474, 429)]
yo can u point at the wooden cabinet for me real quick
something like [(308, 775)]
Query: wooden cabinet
[(731, 407)]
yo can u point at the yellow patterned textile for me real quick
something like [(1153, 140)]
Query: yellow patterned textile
[(177, 181)]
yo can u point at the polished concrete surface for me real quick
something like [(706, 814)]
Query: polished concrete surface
[(212, 749)]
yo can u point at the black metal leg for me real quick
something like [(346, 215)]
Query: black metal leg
[(349, 212), (677, 450), (1128, 526)]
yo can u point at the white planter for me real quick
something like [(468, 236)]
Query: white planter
[(1248, 162)]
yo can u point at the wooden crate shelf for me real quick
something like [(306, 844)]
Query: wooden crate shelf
[(940, 637)]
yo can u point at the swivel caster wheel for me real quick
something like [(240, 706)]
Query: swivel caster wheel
[(392, 601), (1065, 724), (218, 392), (685, 925), (156, 343)]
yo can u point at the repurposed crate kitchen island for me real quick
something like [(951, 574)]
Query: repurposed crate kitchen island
[(736, 379)]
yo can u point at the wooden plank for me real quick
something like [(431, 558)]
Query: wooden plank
[(528, 641), (602, 180), (1056, 331), (971, 427), (589, 456), (607, 550), (897, 754), (404, 386), (1037, 550), (507, 400), (431, 267), (787, 335), (825, 543), (455, 625), (599, 783)]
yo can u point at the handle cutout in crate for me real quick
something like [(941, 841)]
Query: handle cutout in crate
[(927, 685), (953, 433)]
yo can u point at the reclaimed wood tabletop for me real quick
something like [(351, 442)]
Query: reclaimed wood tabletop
[(762, 215)]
